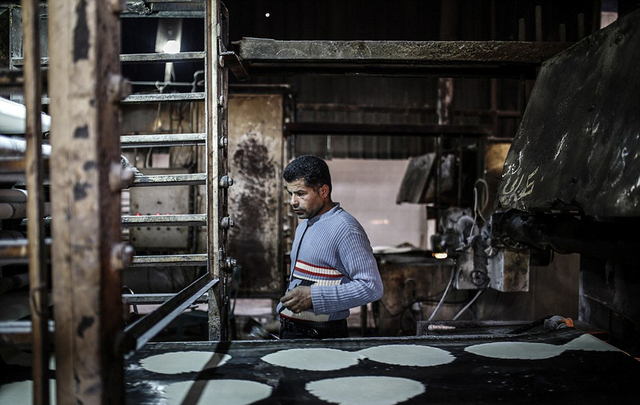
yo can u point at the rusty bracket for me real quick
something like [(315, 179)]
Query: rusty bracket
[(235, 64)]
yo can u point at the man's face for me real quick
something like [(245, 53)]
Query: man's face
[(307, 202)]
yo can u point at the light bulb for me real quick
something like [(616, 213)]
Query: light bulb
[(172, 46)]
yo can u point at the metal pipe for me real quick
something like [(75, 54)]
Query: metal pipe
[(13, 115), (18, 147), (140, 332), (169, 260), (155, 298), (162, 140), (164, 220), (190, 179)]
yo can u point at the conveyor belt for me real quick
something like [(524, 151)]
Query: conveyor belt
[(575, 376)]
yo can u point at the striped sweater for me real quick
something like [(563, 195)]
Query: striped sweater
[(332, 254)]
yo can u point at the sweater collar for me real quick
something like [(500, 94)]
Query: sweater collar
[(324, 216)]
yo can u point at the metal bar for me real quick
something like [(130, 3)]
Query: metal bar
[(156, 298), (148, 141), (160, 83), (163, 14), (169, 260), (153, 98), (86, 180), (240, 88), (162, 98), (11, 79), (161, 57), (129, 221), (440, 58), (138, 58), (300, 128), (12, 170), (191, 179), (214, 102), (12, 165), (17, 251), (140, 332), (38, 286), (234, 62), (20, 333)]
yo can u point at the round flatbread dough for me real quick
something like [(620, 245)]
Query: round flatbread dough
[(313, 359), (408, 355), (22, 393), (591, 343), (219, 392), (516, 350), (183, 362), (365, 390)]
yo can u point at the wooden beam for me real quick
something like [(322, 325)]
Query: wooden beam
[(86, 180)]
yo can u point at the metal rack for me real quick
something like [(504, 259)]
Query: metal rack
[(86, 178)]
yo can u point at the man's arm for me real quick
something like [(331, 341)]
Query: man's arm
[(366, 285)]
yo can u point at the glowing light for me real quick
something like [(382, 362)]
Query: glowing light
[(440, 255), (380, 222), (172, 46), (267, 15)]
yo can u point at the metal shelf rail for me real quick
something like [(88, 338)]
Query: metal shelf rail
[(87, 256)]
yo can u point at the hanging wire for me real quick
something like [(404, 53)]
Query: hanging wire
[(479, 293), (446, 291)]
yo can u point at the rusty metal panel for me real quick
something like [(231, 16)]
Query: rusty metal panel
[(577, 146), (86, 181), (256, 147), (509, 271)]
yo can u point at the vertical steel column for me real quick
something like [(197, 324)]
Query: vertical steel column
[(214, 101), (35, 204), (86, 178)]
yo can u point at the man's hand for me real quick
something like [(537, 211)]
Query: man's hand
[(298, 299)]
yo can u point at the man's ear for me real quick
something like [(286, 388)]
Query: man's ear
[(324, 190)]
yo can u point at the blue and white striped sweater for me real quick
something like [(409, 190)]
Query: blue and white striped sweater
[(334, 257)]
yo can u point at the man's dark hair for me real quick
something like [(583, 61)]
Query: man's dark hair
[(312, 169)]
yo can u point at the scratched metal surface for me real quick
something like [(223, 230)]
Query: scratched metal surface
[(255, 163), (579, 141), (574, 376)]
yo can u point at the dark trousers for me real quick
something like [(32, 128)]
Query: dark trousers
[(290, 329)]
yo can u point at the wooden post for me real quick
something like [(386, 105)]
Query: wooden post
[(38, 285), (86, 177)]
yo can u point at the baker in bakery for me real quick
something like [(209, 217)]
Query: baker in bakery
[(332, 264)]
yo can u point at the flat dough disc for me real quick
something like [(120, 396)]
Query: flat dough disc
[(516, 350), (408, 355), (22, 393), (365, 390), (219, 392), (313, 359), (591, 343), (183, 362)]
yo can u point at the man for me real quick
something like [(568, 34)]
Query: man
[(332, 265)]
